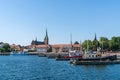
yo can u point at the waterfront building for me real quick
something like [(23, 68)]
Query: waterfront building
[(66, 47), (15, 47), (44, 46), (45, 42), (40, 46)]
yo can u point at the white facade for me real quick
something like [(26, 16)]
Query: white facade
[(95, 55), (42, 50)]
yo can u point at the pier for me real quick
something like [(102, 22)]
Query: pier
[(75, 62)]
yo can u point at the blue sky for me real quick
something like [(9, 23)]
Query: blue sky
[(21, 21)]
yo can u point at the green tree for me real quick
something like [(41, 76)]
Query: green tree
[(2, 50), (104, 43), (6, 46), (87, 44), (96, 44), (114, 43)]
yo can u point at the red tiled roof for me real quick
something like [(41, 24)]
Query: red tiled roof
[(65, 45), (41, 46)]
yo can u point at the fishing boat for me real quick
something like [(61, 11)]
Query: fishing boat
[(96, 58), (74, 54), (97, 55), (71, 55)]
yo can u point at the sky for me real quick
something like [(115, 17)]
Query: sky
[(21, 21)]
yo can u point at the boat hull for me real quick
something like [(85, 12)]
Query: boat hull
[(95, 62), (113, 57)]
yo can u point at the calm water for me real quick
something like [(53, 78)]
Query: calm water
[(38, 68)]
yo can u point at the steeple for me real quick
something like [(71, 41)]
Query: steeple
[(95, 39), (95, 43), (46, 39), (46, 36)]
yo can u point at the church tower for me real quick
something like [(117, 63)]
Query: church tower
[(95, 43), (46, 39)]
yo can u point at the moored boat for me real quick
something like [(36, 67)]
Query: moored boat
[(106, 62), (97, 55), (96, 58), (71, 55)]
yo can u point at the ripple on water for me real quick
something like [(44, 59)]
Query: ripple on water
[(37, 68)]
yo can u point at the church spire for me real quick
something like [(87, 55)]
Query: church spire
[(46, 39), (95, 37), (46, 36)]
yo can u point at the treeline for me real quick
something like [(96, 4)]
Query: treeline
[(104, 43), (5, 47)]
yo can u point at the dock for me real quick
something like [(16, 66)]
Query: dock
[(75, 62)]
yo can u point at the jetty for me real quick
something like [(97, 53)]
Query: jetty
[(75, 62)]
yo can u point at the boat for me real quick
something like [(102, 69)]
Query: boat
[(98, 57), (106, 62), (73, 54), (61, 58), (18, 53)]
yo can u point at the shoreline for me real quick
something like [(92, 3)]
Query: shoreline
[(5, 53), (53, 53)]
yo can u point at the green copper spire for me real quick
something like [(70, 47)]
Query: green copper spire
[(46, 37)]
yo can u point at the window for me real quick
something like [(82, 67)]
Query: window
[(96, 56), (89, 55)]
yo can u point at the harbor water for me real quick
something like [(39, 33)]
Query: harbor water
[(41, 68)]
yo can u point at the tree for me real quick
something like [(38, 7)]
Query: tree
[(96, 44), (114, 43), (104, 43), (6, 46), (87, 44), (2, 50)]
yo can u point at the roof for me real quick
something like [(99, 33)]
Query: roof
[(76, 45), (37, 42), (61, 45), (65, 45), (76, 42), (41, 46)]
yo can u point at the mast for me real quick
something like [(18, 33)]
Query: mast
[(71, 41), (87, 46), (80, 46), (36, 39)]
